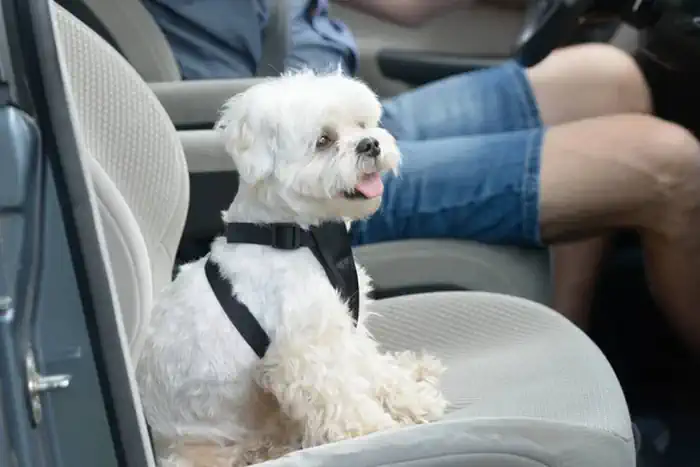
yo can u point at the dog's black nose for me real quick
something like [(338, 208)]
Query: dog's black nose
[(368, 147)]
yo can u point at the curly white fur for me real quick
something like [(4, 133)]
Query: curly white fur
[(209, 399)]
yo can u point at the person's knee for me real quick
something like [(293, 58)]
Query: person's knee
[(673, 156), (612, 69), (619, 69)]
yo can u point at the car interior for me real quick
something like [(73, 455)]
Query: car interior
[(396, 267), (112, 176)]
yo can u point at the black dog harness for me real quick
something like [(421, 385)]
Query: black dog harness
[(330, 243)]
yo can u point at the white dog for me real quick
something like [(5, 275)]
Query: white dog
[(299, 143)]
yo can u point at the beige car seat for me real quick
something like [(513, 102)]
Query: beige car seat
[(400, 265), (527, 387)]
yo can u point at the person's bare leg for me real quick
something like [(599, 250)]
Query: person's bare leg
[(631, 171), (575, 269), (586, 81), (571, 84)]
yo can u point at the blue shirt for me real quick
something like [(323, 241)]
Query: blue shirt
[(223, 38)]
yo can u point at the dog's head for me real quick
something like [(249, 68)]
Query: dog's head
[(310, 145)]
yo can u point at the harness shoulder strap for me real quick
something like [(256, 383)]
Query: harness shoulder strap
[(237, 312), (332, 248)]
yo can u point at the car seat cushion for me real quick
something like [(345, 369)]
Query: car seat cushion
[(526, 388)]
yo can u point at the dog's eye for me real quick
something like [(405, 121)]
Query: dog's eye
[(324, 142)]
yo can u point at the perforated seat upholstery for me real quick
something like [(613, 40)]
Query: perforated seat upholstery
[(527, 388)]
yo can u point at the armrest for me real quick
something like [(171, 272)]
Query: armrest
[(417, 67), (205, 152), (196, 104)]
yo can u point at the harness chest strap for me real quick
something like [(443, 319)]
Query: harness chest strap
[(331, 245)]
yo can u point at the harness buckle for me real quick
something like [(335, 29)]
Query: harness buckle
[(286, 237)]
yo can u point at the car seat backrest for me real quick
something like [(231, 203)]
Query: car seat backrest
[(84, 13), (129, 27), (134, 32), (136, 162)]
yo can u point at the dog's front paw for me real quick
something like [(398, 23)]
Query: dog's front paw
[(415, 397), (369, 425), (432, 405), (417, 404), (422, 368), (360, 421)]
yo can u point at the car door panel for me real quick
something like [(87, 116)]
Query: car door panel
[(394, 58), (65, 386)]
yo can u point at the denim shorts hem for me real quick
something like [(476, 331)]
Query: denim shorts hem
[(531, 112), (530, 195)]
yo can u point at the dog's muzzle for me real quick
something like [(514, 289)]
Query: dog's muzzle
[(370, 185), (368, 147)]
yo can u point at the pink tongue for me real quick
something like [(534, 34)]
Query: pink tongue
[(371, 186)]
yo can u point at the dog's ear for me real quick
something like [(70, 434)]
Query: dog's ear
[(253, 160)]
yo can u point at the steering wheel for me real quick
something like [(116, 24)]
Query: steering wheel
[(551, 23), (548, 23)]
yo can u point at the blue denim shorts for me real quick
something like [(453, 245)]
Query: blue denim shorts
[(471, 162)]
